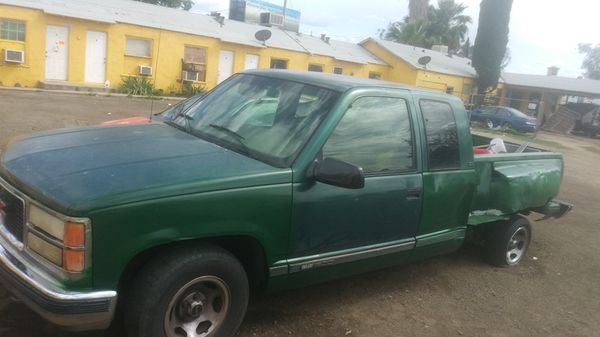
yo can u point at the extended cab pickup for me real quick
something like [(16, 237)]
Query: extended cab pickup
[(274, 179)]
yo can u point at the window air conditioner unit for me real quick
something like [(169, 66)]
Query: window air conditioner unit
[(189, 76), (145, 70), (14, 56), (271, 19)]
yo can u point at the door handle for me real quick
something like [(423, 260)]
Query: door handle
[(413, 194)]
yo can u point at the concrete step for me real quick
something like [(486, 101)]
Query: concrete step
[(67, 86)]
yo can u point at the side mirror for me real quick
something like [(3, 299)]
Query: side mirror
[(337, 173)]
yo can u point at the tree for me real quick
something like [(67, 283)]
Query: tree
[(591, 62), (445, 24), (465, 50), (449, 24), (413, 33), (183, 4), (417, 10), (490, 44)]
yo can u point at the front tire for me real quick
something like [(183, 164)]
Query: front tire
[(188, 292), (506, 242)]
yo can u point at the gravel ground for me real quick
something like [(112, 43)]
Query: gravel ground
[(554, 292)]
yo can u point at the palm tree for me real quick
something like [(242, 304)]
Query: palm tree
[(417, 10), (449, 24), (414, 33), (445, 24)]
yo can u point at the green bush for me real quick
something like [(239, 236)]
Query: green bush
[(190, 90), (139, 86)]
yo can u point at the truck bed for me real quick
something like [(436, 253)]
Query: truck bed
[(522, 180)]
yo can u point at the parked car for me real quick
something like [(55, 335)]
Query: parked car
[(275, 180), (499, 116)]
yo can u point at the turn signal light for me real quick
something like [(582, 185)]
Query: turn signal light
[(74, 234), (73, 260)]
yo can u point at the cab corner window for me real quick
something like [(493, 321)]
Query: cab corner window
[(375, 134), (442, 135)]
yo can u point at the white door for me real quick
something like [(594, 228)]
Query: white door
[(95, 57), (225, 65), (251, 62), (57, 51)]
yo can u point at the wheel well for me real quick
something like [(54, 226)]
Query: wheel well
[(246, 249)]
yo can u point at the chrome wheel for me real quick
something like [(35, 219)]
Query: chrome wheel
[(198, 309), (517, 245), (489, 124)]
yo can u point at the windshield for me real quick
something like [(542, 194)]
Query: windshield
[(265, 118), (180, 107), (517, 113)]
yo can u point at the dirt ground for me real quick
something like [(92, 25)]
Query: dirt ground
[(554, 292)]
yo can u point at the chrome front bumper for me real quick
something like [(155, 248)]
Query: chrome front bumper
[(76, 311)]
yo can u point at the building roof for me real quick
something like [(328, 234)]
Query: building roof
[(440, 62), (142, 14), (574, 86)]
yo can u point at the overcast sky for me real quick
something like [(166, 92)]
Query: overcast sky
[(543, 32)]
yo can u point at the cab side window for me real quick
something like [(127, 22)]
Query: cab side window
[(442, 135), (375, 134)]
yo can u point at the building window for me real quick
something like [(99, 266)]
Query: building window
[(12, 30), (442, 135), (138, 47), (338, 70), (315, 67), (450, 90), (375, 134), (279, 64), (194, 60), (374, 75)]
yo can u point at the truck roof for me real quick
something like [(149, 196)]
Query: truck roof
[(338, 82)]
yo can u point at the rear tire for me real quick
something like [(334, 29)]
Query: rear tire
[(190, 291), (506, 242)]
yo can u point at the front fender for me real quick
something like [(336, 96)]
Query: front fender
[(121, 233)]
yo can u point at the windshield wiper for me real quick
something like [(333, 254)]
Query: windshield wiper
[(187, 119), (240, 139), (228, 131)]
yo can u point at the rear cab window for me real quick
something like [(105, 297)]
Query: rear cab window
[(443, 148)]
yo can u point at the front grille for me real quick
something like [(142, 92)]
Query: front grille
[(13, 213)]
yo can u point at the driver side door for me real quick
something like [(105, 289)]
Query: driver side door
[(377, 135)]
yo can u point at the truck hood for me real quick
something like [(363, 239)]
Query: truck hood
[(78, 170)]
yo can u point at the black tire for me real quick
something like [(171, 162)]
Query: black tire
[(500, 239), (158, 286)]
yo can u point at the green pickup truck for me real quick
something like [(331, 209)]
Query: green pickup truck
[(273, 180)]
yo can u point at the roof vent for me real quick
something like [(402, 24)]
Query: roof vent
[(553, 71), (218, 17), (440, 48)]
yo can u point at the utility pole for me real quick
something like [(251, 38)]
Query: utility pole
[(284, 10)]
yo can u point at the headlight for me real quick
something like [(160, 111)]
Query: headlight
[(59, 240)]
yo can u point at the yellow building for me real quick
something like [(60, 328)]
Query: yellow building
[(425, 68), (100, 43)]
